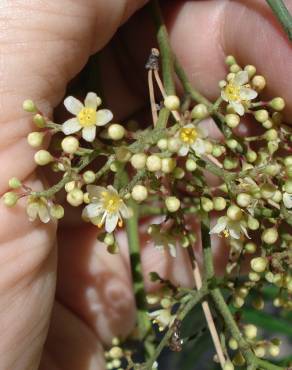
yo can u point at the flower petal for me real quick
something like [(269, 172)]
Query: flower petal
[(240, 78), (224, 96), (220, 225), (103, 116), (44, 213), (199, 147), (247, 94), (73, 105), (95, 191), (91, 100), (32, 210), (125, 211), (183, 150), (111, 222), (88, 133), (71, 126), (234, 234), (287, 200), (93, 210), (238, 107)]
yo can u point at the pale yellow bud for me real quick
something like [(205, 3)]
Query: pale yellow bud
[(250, 331), (75, 197), (172, 102), (259, 264), (173, 144), (138, 161), (270, 235), (139, 193), (168, 165), (219, 203), (172, 204), (43, 157), (258, 82), (89, 177), (234, 213), (153, 163), (35, 139), (251, 70), (243, 199), (200, 111), (116, 131), (261, 115), (10, 199), (70, 144), (29, 106), (277, 103), (191, 165), (232, 120), (57, 211), (162, 144)]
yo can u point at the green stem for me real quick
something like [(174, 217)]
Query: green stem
[(284, 17), (165, 49)]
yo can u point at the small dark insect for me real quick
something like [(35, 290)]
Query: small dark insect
[(176, 342), (152, 62)]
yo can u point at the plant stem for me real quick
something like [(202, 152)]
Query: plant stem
[(282, 13), (165, 49)]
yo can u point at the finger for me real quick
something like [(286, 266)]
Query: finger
[(43, 45)]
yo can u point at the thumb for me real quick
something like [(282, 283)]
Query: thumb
[(43, 45)]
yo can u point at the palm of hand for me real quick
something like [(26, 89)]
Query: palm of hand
[(50, 42)]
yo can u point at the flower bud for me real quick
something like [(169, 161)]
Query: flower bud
[(139, 193), (123, 154), (109, 239), (259, 264), (252, 223), (217, 151), (138, 161), (14, 183), (258, 82), (258, 303), (153, 163), (172, 102), (10, 199), (251, 156), (250, 331), (116, 131), (29, 106), (238, 359), (43, 157), (172, 204), (288, 186), (89, 177), (251, 70), (57, 211), (254, 276), (228, 365), (173, 144), (238, 301), (274, 350), (75, 197), (277, 197), (270, 235), (168, 165), (277, 103), (178, 173), (267, 191), (261, 115), (191, 165), (243, 199), (232, 343), (268, 124), (234, 213), (116, 352), (35, 139), (219, 203), (250, 248), (271, 135), (230, 163), (235, 68), (288, 160), (230, 60), (260, 351), (69, 186), (70, 144), (200, 111), (207, 204), (231, 143), (162, 144), (39, 120)]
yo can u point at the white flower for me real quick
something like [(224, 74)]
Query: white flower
[(38, 207), (162, 317), (191, 137), (287, 200), (87, 117), (236, 92), (106, 206), (234, 229)]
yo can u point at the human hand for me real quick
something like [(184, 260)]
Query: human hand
[(49, 42)]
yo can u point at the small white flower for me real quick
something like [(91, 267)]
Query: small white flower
[(236, 92), (287, 200), (106, 206), (234, 229), (38, 207), (191, 137), (162, 317), (87, 117)]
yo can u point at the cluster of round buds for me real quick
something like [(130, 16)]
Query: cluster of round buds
[(114, 356), (162, 316)]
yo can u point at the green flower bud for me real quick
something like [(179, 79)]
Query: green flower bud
[(234, 213), (243, 199), (259, 264), (109, 239), (258, 82), (271, 135), (268, 124), (250, 248), (57, 211), (260, 351), (228, 365), (89, 177), (250, 331), (219, 203), (231, 143), (252, 223), (261, 115), (39, 120), (288, 186), (123, 154), (238, 301), (277, 104), (168, 165), (254, 276), (267, 191), (200, 111), (251, 156), (14, 183), (172, 204), (191, 165), (178, 173), (235, 68), (230, 60), (277, 197), (272, 169), (289, 171), (217, 151), (10, 199), (162, 144), (172, 102), (35, 139), (75, 197), (230, 163), (273, 146), (43, 157), (238, 359), (116, 131), (232, 343), (288, 160), (207, 204), (29, 106), (274, 350), (251, 70), (270, 235), (258, 303)]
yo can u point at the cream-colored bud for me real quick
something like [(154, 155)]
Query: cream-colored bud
[(232, 120), (200, 111), (57, 211), (191, 165), (235, 68), (238, 301), (288, 161), (254, 276), (109, 239), (10, 199), (258, 82), (271, 134), (116, 352), (274, 350), (75, 197), (234, 213), (172, 102), (172, 204), (219, 203), (116, 131), (35, 139), (277, 103), (243, 199), (230, 60), (260, 351), (261, 115), (207, 204), (14, 183), (270, 235), (162, 144), (43, 157), (252, 223), (288, 186), (70, 144), (250, 331), (228, 365), (69, 186), (251, 156), (139, 193), (259, 264), (268, 124), (89, 177), (173, 144), (29, 106), (168, 165), (138, 161), (153, 163), (232, 343), (251, 70)]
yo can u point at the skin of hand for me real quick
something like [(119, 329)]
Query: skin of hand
[(44, 44)]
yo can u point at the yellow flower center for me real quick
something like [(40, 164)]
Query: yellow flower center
[(232, 92), (226, 233), (87, 117), (188, 135), (111, 201)]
